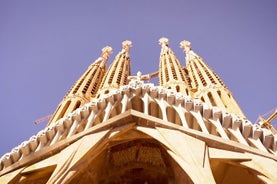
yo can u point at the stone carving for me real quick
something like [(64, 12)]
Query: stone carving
[(106, 51), (126, 45)]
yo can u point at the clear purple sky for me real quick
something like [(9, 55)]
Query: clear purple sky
[(45, 46)]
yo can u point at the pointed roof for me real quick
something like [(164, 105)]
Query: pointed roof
[(119, 70), (82, 85), (206, 84), (171, 73), (196, 64), (85, 88)]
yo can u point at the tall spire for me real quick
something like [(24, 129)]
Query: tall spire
[(171, 73), (85, 88), (206, 84), (119, 70)]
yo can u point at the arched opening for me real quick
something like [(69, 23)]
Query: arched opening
[(136, 104), (116, 110), (173, 116), (178, 88), (211, 99), (78, 86), (64, 108), (223, 98), (202, 99), (155, 110), (99, 118), (231, 135), (192, 122), (166, 74), (137, 161), (77, 105), (211, 128)]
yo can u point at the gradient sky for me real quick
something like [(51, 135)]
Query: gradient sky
[(46, 45)]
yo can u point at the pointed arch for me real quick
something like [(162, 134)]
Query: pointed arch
[(99, 118), (77, 105), (116, 110), (173, 116), (135, 161), (192, 122), (64, 109), (155, 110), (177, 88), (211, 128), (212, 100), (136, 103)]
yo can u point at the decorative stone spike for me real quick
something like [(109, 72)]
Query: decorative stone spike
[(126, 45), (164, 42), (186, 45), (106, 51)]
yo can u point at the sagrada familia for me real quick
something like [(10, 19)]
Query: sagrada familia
[(112, 128)]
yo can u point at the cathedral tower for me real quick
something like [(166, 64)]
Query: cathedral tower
[(141, 133), (119, 70), (171, 74), (85, 88), (206, 84)]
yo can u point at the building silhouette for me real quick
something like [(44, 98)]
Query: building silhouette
[(112, 127)]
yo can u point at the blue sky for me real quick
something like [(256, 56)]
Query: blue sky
[(46, 45)]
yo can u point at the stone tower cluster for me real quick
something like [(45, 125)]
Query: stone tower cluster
[(112, 127), (195, 79)]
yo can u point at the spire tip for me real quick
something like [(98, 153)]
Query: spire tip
[(186, 45), (164, 41), (106, 51), (126, 45)]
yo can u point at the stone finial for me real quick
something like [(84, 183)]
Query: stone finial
[(106, 51), (163, 41), (186, 45), (126, 45), (139, 75)]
